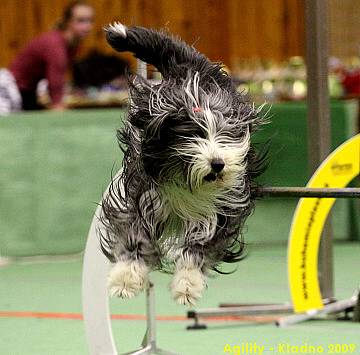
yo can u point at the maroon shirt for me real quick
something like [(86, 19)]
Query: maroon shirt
[(46, 56)]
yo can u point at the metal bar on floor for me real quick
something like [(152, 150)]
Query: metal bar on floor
[(242, 310)]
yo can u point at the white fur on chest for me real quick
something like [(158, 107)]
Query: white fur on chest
[(190, 218), (196, 205)]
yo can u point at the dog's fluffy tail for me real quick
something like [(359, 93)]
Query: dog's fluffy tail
[(171, 56)]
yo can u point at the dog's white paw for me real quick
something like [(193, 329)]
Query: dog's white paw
[(127, 278), (187, 285)]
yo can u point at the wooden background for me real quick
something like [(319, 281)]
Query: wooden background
[(344, 28), (225, 30)]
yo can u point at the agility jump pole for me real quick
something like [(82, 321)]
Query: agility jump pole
[(303, 192), (318, 123)]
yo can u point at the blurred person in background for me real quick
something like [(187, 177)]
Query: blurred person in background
[(47, 56)]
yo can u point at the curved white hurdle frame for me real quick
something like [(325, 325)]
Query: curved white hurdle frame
[(95, 298)]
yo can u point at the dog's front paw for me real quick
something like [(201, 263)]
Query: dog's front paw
[(127, 278), (187, 285)]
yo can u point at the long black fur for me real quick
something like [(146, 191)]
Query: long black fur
[(131, 208)]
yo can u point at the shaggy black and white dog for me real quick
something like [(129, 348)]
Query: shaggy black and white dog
[(183, 195)]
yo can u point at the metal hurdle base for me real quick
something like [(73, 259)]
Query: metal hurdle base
[(228, 310), (331, 306), (149, 343), (347, 306), (236, 310)]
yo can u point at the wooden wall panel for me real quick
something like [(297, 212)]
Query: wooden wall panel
[(294, 23), (225, 30), (344, 28)]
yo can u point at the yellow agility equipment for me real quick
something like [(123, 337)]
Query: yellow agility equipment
[(341, 166)]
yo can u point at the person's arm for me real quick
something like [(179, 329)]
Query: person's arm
[(56, 66)]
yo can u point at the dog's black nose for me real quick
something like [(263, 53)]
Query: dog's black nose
[(217, 165)]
